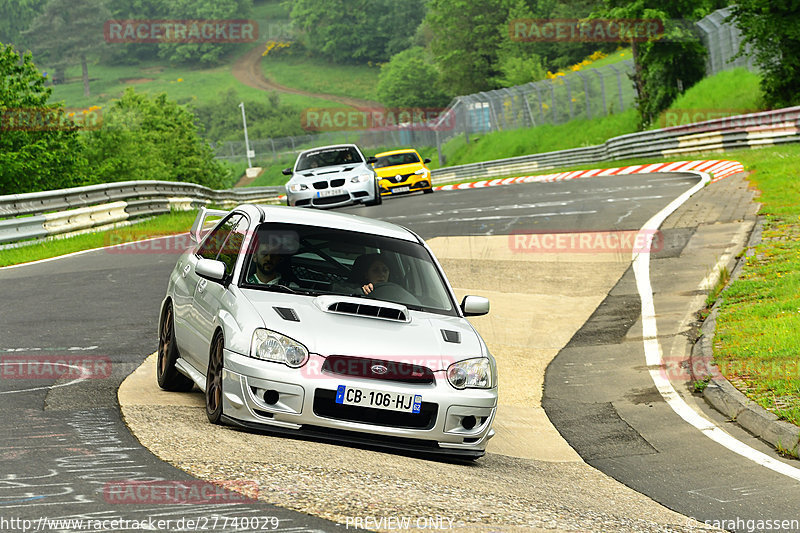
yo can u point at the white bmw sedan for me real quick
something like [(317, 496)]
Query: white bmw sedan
[(327, 325)]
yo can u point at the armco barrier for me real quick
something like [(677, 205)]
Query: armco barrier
[(65, 210), (742, 131)]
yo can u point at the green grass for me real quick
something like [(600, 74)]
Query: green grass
[(544, 138), (758, 327), (167, 224), (320, 76), (730, 92), (613, 58), (198, 85)]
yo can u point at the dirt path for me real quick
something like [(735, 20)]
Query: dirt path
[(247, 70)]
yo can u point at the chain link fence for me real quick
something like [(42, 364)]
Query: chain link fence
[(723, 40), (583, 94)]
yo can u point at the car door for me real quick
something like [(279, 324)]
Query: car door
[(190, 340), (212, 296)]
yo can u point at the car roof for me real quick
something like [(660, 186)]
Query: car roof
[(393, 152), (330, 146), (326, 219)]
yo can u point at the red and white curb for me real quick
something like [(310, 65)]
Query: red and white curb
[(719, 169)]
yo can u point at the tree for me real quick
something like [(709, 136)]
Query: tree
[(208, 52), (67, 32), (16, 16), (465, 43), (35, 153), (151, 138), (221, 119), (409, 80), (517, 61), (663, 67), (773, 29), (356, 31)]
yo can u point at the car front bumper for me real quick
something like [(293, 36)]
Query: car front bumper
[(301, 402), (389, 188), (350, 193)]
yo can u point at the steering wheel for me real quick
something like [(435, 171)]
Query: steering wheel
[(392, 292)]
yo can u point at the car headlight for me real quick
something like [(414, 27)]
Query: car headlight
[(361, 178), (471, 374), (297, 187), (272, 346), (421, 172)]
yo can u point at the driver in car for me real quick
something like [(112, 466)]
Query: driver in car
[(370, 270)]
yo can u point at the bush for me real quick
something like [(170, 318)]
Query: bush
[(152, 138)]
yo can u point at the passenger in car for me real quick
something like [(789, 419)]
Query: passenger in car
[(369, 270), (266, 266)]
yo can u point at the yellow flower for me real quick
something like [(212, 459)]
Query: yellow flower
[(180, 79)]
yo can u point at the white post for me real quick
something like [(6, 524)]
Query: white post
[(246, 141)]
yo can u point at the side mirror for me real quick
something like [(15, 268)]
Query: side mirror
[(287, 171), (427, 160), (371, 160), (474, 305), (211, 269)]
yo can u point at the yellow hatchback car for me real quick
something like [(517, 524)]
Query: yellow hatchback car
[(402, 171)]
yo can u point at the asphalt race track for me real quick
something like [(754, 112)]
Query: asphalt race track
[(63, 442)]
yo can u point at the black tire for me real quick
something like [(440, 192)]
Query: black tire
[(427, 191), (214, 380), (168, 376), (378, 200)]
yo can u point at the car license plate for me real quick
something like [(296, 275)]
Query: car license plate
[(330, 192), (400, 189), (393, 401)]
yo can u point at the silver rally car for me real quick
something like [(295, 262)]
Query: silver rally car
[(332, 176), (268, 314)]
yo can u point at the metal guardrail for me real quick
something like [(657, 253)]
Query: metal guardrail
[(40, 214), (742, 131)]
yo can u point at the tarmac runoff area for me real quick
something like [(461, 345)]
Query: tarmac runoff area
[(530, 479)]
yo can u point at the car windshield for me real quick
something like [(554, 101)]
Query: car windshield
[(396, 159), (311, 260), (328, 157)]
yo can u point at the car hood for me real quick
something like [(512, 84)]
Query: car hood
[(337, 171), (420, 340), (389, 172)]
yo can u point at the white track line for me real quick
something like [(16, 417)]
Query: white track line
[(655, 361)]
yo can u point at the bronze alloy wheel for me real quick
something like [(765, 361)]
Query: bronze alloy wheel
[(214, 381), (168, 376)]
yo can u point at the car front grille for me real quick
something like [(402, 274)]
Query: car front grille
[(331, 199), (338, 182), (362, 367), (325, 406), (319, 185)]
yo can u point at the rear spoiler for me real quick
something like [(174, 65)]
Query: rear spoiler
[(199, 222)]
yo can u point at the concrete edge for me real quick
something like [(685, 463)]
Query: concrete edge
[(722, 395)]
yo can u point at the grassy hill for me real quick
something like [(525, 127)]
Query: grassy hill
[(731, 92)]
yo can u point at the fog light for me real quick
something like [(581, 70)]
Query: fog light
[(468, 422), (271, 397)]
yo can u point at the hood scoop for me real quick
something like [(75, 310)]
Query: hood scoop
[(451, 336), (287, 313), (359, 307)]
